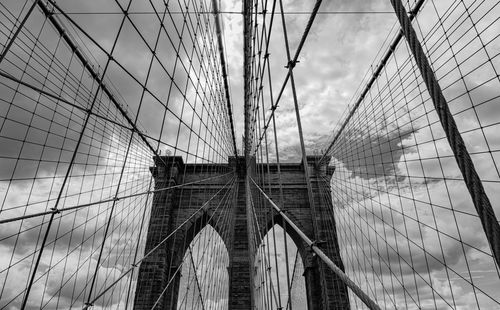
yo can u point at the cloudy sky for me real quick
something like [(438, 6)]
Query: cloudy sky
[(338, 53), (405, 217), (400, 201)]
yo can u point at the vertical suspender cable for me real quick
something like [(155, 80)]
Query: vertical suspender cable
[(355, 288), (290, 66), (224, 71), (370, 83)]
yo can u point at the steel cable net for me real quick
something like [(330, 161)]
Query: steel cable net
[(409, 233), (114, 114), (202, 291), (271, 281), (92, 99), (277, 183)]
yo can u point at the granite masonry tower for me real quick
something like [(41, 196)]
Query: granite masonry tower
[(323, 289)]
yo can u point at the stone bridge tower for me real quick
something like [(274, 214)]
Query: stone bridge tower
[(171, 208)]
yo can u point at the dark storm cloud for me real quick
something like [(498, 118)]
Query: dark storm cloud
[(35, 132), (39, 130), (132, 51), (317, 81), (369, 156), (44, 145), (55, 127)]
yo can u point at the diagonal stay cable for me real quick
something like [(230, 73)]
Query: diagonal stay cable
[(475, 187), (353, 286), (56, 97), (223, 201), (74, 48), (19, 28), (143, 136), (196, 275), (372, 80), (66, 177), (85, 205), (138, 262), (290, 286), (97, 115), (277, 298), (290, 64)]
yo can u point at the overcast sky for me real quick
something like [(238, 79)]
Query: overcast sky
[(385, 155), (404, 172), (338, 53)]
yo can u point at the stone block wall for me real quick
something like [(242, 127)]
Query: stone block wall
[(172, 207)]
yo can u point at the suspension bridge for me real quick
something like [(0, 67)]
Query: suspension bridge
[(218, 155)]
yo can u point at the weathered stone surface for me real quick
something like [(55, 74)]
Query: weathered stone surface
[(171, 208)]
